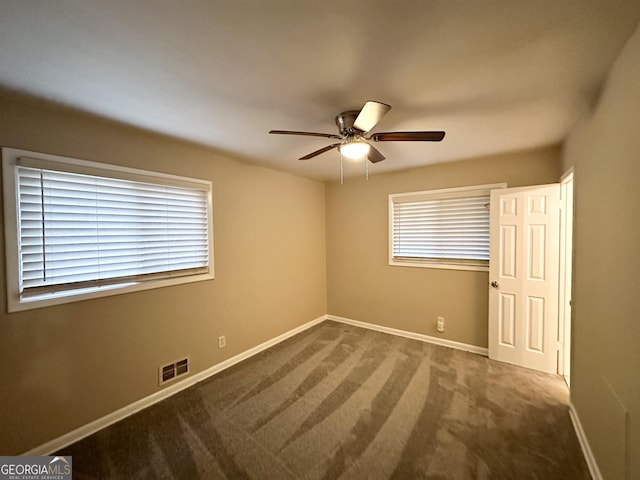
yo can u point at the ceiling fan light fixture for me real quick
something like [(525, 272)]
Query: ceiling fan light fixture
[(354, 149)]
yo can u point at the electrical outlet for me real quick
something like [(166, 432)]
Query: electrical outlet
[(440, 324), (222, 342)]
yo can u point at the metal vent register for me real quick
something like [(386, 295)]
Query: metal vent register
[(173, 370)]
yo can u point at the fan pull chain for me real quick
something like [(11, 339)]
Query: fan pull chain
[(341, 171), (366, 169)]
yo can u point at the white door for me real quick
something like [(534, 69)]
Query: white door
[(523, 276)]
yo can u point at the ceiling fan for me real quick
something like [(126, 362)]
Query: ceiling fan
[(354, 127)]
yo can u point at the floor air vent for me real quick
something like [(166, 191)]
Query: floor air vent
[(173, 370)]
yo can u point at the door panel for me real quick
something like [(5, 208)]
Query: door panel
[(523, 298), (508, 251), (507, 319), (535, 253), (535, 324)]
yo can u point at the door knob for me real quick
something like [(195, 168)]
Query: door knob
[(495, 284)]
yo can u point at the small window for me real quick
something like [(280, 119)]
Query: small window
[(76, 229), (441, 228)]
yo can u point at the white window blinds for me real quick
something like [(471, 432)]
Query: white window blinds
[(441, 227), (78, 230)]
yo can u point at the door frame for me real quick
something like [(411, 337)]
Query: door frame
[(566, 274)]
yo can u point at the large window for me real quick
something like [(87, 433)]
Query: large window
[(441, 228), (76, 229)]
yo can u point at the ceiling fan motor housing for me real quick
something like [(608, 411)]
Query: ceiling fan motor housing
[(345, 121)]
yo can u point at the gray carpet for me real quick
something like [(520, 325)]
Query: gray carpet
[(337, 401)]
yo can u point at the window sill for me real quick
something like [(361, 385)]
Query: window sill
[(19, 303), (438, 265)]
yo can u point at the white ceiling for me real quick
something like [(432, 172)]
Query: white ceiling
[(497, 75)]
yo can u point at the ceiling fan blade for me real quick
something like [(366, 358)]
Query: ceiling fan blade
[(318, 152), (370, 115), (374, 155), (308, 134), (407, 136)]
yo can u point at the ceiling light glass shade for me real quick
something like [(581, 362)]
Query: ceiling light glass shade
[(354, 150)]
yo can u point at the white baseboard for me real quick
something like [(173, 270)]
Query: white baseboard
[(584, 443), (415, 336), (124, 412)]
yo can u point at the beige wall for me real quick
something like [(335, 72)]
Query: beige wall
[(361, 284), (65, 366), (605, 152)]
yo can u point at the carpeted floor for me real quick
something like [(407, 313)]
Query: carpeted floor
[(337, 401)]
